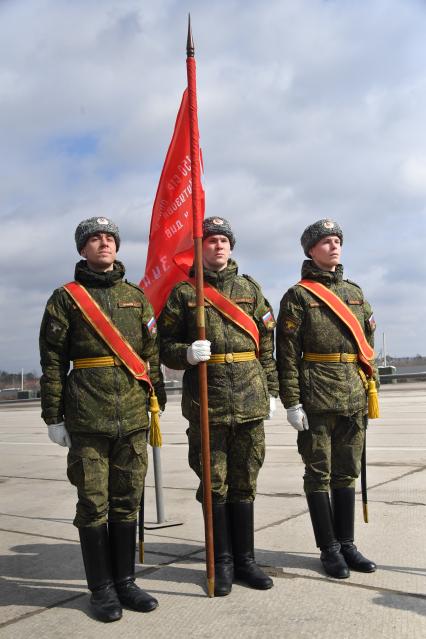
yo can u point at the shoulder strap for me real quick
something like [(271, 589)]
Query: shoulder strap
[(107, 331), (365, 351), (231, 311)]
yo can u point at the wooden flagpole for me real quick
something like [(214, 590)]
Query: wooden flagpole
[(199, 292)]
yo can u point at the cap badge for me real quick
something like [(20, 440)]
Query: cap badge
[(102, 220), (328, 224), (217, 220)]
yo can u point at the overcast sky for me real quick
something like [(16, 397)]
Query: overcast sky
[(307, 109)]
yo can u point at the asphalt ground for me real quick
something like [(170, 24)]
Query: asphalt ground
[(42, 587)]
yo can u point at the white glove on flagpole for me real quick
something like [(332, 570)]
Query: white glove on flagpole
[(58, 434), (297, 417), (199, 351)]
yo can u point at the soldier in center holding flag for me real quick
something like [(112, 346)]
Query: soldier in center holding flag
[(242, 385)]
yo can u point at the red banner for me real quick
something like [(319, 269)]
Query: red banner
[(172, 219)]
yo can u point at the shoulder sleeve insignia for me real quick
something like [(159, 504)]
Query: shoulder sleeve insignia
[(54, 331), (290, 324), (152, 326), (268, 320), (372, 322), (167, 320)]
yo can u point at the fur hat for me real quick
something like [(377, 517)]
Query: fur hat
[(94, 225), (218, 226), (316, 231)]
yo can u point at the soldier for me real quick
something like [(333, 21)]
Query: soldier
[(242, 384), (99, 410), (322, 386)]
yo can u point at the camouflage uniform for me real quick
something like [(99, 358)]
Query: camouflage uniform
[(326, 401), (333, 394), (238, 392), (105, 409)]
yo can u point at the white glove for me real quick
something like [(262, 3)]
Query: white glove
[(297, 417), (59, 434), (199, 351), (272, 406)]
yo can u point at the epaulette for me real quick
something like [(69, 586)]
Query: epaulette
[(139, 288), (353, 283), (252, 281)]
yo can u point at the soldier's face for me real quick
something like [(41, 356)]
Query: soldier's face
[(100, 252), (326, 253), (216, 252)]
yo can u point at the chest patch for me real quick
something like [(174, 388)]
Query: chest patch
[(129, 304), (192, 304)]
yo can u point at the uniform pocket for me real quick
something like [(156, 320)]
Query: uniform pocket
[(129, 465), (84, 472)]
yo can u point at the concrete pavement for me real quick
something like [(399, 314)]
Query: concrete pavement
[(42, 586)]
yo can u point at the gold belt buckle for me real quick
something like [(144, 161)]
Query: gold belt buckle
[(229, 358), (343, 357)]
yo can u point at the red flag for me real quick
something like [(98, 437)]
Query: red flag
[(171, 229)]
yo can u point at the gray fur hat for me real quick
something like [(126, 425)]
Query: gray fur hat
[(316, 231), (94, 225), (218, 226)]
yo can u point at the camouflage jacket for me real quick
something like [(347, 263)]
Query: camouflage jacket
[(106, 400), (306, 325), (238, 392)]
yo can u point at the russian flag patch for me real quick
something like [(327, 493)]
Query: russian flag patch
[(152, 325), (268, 320)]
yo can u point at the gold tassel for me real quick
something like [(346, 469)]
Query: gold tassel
[(373, 400), (155, 438)]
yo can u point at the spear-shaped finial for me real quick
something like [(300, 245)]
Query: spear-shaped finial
[(190, 49)]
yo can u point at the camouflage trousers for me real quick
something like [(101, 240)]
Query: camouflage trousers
[(237, 453), (109, 475), (331, 450)]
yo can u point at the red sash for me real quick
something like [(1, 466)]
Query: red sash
[(365, 351), (232, 311), (102, 324)]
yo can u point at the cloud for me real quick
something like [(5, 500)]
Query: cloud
[(306, 109)]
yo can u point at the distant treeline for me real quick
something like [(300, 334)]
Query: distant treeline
[(13, 380), (405, 361)]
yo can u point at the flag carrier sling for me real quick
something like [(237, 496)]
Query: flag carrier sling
[(231, 311)]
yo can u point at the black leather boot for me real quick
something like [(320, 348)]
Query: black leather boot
[(223, 559), (332, 560), (122, 537), (97, 564), (242, 526), (343, 502)]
